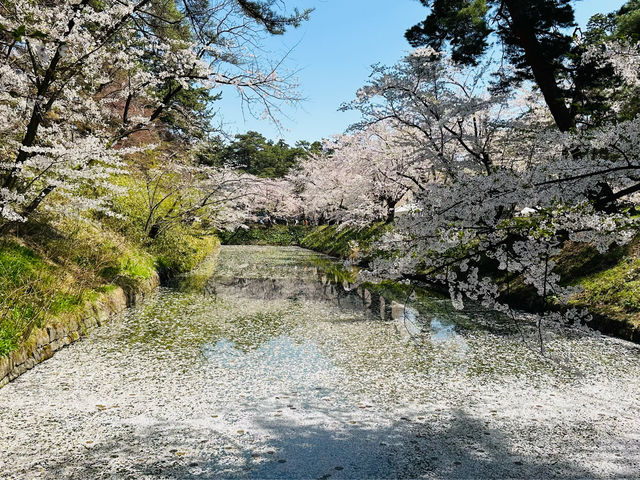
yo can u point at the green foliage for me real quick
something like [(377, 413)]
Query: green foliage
[(462, 23), (603, 87), (614, 292), (9, 337), (175, 250), (627, 20), (68, 265), (273, 22), (30, 290), (190, 116), (537, 41), (96, 254), (17, 261), (256, 155), (611, 281), (578, 261), (190, 113), (344, 242), (178, 251)]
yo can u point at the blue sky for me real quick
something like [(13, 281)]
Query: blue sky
[(332, 55)]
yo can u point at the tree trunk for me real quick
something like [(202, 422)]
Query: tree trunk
[(543, 71)]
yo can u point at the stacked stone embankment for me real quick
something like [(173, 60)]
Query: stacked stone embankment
[(45, 341)]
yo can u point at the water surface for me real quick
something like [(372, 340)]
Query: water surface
[(261, 365)]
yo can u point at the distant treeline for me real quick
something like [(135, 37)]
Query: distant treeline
[(254, 154)]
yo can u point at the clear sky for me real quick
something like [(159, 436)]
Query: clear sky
[(332, 54)]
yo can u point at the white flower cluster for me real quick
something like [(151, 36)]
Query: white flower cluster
[(494, 191), (81, 79)]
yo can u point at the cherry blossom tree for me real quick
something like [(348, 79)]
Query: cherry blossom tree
[(360, 177), (177, 191), (508, 189), (270, 200), (80, 82)]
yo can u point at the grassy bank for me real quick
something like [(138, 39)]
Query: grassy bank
[(45, 277), (344, 242), (53, 268), (609, 283), (281, 235), (611, 287)]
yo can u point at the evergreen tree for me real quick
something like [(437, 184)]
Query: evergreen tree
[(252, 153), (533, 33)]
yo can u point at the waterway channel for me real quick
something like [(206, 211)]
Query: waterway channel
[(260, 364)]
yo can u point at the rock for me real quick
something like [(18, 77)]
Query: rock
[(47, 352), (60, 331), (19, 356), (51, 330), (42, 337), (4, 366), (397, 310), (73, 325)]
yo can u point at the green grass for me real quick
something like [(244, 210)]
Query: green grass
[(28, 289), (610, 282), (344, 242), (178, 252), (53, 273), (16, 261), (133, 264), (613, 292), (34, 289)]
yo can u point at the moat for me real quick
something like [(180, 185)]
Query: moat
[(260, 365)]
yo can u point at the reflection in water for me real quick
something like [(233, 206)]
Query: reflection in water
[(223, 351), (281, 357), (442, 333), (319, 278)]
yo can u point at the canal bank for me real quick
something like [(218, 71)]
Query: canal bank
[(44, 342)]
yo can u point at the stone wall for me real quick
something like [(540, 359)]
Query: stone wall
[(44, 342)]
